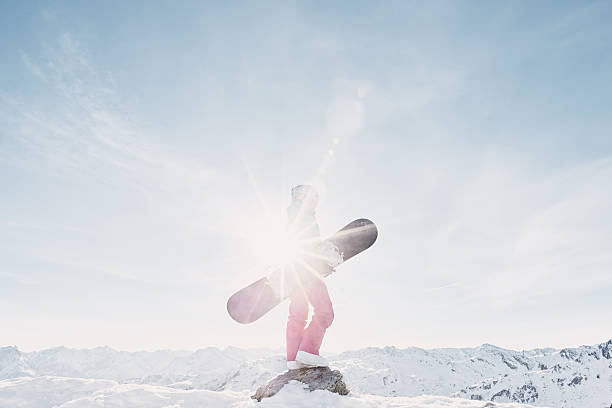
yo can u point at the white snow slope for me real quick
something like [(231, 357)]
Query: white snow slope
[(470, 377)]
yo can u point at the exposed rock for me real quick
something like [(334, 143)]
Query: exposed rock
[(501, 394), (606, 349), (576, 380), (522, 362), (526, 393), (317, 378), (508, 363), (570, 354)]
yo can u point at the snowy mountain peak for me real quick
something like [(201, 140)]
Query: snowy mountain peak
[(491, 347), (8, 353)]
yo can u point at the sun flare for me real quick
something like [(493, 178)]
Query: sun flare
[(284, 248), (273, 244)]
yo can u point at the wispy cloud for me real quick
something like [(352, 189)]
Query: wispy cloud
[(88, 129), (513, 235), (81, 129)]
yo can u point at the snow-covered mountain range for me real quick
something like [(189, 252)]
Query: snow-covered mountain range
[(569, 378)]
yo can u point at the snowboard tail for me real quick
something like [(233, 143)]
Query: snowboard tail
[(252, 302)]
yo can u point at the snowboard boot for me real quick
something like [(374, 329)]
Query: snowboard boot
[(294, 365), (311, 360)]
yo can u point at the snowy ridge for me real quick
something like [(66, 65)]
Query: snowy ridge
[(574, 377)]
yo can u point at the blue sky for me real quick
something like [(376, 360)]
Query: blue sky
[(144, 144)]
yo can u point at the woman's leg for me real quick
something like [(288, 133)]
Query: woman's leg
[(322, 317), (298, 314)]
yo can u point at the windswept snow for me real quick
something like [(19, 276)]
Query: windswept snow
[(570, 378)]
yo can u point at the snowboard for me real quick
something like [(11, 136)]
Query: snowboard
[(252, 302)]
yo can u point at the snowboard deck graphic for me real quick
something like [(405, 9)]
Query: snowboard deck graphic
[(252, 302)]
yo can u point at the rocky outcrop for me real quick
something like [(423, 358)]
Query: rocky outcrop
[(316, 378), (606, 349)]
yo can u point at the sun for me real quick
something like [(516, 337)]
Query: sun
[(272, 243), (289, 248)]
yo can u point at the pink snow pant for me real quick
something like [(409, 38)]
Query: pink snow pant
[(309, 339)]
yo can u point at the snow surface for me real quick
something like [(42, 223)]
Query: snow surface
[(61, 392), (468, 377)]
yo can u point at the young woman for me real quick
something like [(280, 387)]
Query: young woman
[(317, 259)]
